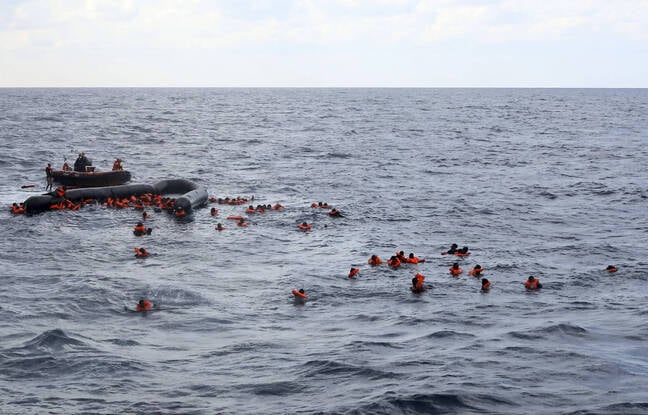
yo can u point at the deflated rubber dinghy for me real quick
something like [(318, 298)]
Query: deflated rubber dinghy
[(191, 195)]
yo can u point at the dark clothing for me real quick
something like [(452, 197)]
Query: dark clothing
[(48, 173), (81, 163)]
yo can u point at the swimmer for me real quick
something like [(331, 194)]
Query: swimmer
[(374, 260), (532, 283), (140, 229), (455, 269), (485, 284), (417, 283), (299, 295), (414, 259), (476, 272), (353, 272), (450, 251), (611, 268), (393, 262), (144, 305)]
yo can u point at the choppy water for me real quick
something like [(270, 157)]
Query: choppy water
[(543, 182)]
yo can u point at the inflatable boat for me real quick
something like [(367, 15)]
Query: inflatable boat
[(91, 178), (190, 195)]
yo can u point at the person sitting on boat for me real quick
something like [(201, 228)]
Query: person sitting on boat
[(81, 163), (117, 165), (66, 166)]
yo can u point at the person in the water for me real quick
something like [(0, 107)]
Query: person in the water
[(532, 283)]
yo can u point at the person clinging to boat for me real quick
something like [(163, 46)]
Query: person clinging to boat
[(117, 165)]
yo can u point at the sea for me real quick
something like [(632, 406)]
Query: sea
[(551, 183)]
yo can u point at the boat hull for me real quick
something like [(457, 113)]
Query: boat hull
[(91, 179)]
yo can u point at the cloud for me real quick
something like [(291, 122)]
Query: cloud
[(149, 33)]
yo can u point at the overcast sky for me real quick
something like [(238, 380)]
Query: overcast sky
[(320, 43)]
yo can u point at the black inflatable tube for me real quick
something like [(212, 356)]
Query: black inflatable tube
[(192, 195)]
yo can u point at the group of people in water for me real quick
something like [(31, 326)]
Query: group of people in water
[(395, 261), (532, 283)]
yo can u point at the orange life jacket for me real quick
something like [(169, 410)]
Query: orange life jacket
[(475, 272), (376, 261), (486, 286), (455, 271), (419, 281), (314, 205), (250, 210), (413, 260), (139, 229), (394, 263), (531, 285), (353, 272), (299, 294), (60, 191), (141, 252), (303, 227), (462, 254), (180, 213), (146, 306)]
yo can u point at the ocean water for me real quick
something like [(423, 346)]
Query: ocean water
[(544, 182)]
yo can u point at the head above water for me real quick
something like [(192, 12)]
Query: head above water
[(531, 278)]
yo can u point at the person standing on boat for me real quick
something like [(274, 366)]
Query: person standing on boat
[(81, 163), (48, 173)]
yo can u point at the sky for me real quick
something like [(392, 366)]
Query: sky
[(324, 43)]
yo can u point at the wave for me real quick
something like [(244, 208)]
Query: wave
[(432, 403), (53, 353), (623, 408), (553, 330), (329, 368)]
